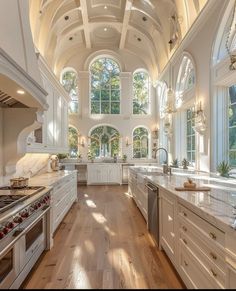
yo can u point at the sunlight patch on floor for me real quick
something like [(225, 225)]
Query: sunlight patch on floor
[(128, 194), (89, 247), (110, 232), (99, 217), (90, 203)]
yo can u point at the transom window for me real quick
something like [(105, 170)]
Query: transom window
[(69, 81), (140, 143), (105, 87), (232, 126), (185, 81), (141, 84), (105, 142), (191, 136)]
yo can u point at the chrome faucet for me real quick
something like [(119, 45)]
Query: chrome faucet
[(166, 167)]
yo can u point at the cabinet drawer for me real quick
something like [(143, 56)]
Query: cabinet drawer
[(191, 274), (214, 234), (205, 265), (214, 253)]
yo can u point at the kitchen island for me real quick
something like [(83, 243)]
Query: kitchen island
[(196, 229)]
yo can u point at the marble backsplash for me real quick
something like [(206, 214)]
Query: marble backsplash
[(28, 166)]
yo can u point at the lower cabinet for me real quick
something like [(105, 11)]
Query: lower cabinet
[(103, 174), (63, 196)]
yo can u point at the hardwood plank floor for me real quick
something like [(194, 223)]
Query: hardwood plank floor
[(103, 243)]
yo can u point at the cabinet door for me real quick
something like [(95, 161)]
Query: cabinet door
[(231, 278), (167, 205), (64, 124), (114, 174), (57, 120)]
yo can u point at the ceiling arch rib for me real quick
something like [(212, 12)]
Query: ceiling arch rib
[(128, 7)]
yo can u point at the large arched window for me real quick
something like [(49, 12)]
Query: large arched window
[(141, 91), (73, 142), (162, 94), (105, 141), (140, 143), (105, 87), (185, 81), (69, 81)]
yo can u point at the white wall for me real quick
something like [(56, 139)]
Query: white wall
[(199, 44)]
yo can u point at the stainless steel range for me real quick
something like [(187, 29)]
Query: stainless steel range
[(24, 231)]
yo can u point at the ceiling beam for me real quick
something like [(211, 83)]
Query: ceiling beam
[(84, 11), (128, 7)]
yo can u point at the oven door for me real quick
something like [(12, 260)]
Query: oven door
[(33, 243), (9, 266)]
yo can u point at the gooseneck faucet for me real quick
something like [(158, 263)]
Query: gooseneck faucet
[(166, 168)]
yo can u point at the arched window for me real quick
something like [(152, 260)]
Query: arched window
[(73, 142), (140, 143), (105, 141), (141, 90), (69, 81), (105, 87), (163, 99), (185, 81)]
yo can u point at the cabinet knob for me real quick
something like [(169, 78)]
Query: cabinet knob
[(185, 214), (214, 257), (213, 273), (186, 264), (212, 235), (184, 228), (184, 240)]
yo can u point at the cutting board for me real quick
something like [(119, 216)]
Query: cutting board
[(192, 189)]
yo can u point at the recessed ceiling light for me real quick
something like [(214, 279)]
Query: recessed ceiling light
[(66, 17), (144, 18), (21, 92), (105, 7), (105, 29), (71, 38), (139, 39)]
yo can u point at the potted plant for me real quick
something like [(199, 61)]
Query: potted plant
[(62, 156), (185, 163), (175, 163), (124, 158), (224, 168), (91, 156)]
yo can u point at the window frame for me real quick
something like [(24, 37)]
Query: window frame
[(191, 135), (149, 143), (103, 89)]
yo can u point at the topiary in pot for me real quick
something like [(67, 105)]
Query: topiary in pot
[(185, 164), (224, 168), (175, 163)]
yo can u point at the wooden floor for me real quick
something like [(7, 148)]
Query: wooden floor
[(103, 243)]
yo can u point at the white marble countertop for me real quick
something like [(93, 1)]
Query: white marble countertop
[(49, 179), (216, 206)]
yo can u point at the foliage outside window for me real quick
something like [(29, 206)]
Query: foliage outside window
[(191, 137), (140, 143), (232, 126), (105, 87), (141, 85), (73, 142), (69, 82), (105, 142), (185, 81)]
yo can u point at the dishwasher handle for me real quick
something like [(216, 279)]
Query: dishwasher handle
[(151, 187)]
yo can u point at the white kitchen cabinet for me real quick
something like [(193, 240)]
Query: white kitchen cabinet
[(54, 130), (64, 194), (103, 174), (167, 224)]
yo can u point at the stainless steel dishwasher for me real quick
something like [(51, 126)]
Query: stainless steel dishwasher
[(153, 212)]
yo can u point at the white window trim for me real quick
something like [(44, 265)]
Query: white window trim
[(149, 143)]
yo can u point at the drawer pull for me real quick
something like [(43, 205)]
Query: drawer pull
[(214, 257), (186, 264), (184, 240), (212, 235), (184, 228), (184, 214), (213, 273)]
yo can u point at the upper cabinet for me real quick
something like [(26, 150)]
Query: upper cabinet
[(51, 137)]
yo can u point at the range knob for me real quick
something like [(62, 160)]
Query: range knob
[(17, 219), (2, 235), (10, 225), (35, 206), (24, 214), (5, 230), (39, 204)]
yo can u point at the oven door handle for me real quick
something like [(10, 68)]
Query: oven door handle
[(23, 231), (150, 188)]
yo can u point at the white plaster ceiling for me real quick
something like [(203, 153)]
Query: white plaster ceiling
[(142, 27)]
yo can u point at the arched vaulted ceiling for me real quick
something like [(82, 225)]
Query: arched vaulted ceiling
[(64, 28)]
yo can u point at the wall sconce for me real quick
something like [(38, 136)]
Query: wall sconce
[(155, 133), (127, 142), (82, 142), (200, 119)]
